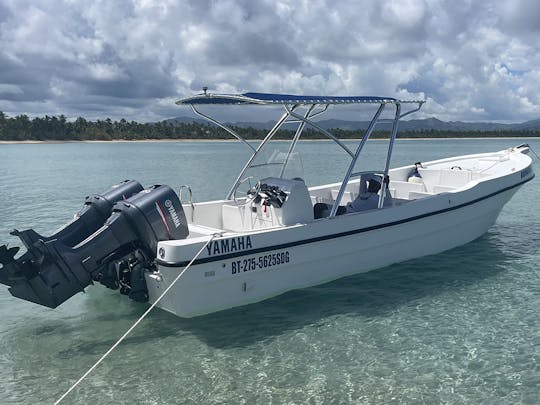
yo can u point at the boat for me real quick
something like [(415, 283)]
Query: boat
[(272, 233)]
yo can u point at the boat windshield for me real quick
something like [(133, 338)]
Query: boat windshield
[(275, 160)]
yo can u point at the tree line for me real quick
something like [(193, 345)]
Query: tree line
[(52, 128)]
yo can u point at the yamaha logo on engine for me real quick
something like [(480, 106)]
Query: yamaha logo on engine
[(172, 211)]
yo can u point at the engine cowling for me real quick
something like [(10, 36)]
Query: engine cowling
[(97, 208)]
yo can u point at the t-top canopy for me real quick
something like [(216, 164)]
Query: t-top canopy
[(267, 98)]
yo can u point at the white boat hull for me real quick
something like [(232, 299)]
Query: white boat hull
[(273, 233), (326, 250)]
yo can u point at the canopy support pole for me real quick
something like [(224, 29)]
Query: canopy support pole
[(386, 180), (324, 131), (222, 126), (369, 130)]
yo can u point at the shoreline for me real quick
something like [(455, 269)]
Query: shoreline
[(34, 142)]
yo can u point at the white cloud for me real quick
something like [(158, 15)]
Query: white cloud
[(472, 60), (105, 72)]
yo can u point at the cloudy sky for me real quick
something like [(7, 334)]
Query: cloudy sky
[(472, 60)]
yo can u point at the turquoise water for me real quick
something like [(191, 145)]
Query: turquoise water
[(458, 327)]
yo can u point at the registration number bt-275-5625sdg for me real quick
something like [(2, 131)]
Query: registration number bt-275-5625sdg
[(261, 262)]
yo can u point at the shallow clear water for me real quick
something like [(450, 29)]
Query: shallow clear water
[(458, 327)]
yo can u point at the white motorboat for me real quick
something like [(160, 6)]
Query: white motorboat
[(277, 235)]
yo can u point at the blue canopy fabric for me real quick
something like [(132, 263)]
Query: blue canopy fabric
[(267, 98)]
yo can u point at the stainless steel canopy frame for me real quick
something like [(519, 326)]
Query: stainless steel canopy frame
[(314, 106)]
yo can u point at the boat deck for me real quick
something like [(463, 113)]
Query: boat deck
[(434, 178)]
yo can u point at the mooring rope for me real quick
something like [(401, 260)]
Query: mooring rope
[(97, 363)]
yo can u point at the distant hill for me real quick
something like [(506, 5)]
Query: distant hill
[(186, 120), (411, 125)]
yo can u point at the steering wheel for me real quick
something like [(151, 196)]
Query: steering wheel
[(253, 191)]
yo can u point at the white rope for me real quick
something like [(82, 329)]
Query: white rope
[(136, 323)]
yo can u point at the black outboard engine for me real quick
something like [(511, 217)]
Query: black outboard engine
[(97, 208), (117, 254)]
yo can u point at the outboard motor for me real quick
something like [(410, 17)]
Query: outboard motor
[(97, 208), (117, 254)]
